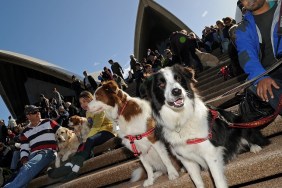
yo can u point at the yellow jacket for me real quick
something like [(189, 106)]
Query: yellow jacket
[(99, 122)]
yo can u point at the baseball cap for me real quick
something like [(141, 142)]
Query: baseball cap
[(29, 109)]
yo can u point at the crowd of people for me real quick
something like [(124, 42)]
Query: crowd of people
[(27, 148)]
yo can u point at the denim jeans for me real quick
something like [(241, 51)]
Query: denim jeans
[(15, 160), (36, 163)]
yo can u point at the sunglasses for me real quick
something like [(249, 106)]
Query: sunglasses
[(33, 113)]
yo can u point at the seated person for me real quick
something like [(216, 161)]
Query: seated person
[(6, 154), (63, 118), (36, 153), (101, 131)]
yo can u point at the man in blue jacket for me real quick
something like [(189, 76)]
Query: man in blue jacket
[(259, 47)]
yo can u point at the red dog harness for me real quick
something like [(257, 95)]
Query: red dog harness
[(199, 140), (131, 138)]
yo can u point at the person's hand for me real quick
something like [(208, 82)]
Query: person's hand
[(24, 160), (265, 86)]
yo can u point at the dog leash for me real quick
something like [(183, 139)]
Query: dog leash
[(215, 114), (256, 123)]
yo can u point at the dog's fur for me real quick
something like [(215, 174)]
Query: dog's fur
[(183, 116), (67, 143), (207, 59), (80, 127), (133, 116)]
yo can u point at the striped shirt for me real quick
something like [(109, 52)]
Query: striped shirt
[(40, 137)]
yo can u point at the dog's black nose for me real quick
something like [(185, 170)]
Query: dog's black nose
[(176, 92)]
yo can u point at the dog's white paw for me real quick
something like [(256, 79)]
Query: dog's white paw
[(148, 182), (65, 158), (173, 174), (157, 174), (255, 148), (57, 163)]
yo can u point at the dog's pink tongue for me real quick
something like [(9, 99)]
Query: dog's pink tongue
[(178, 101)]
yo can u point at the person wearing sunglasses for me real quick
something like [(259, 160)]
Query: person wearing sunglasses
[(38, 146)]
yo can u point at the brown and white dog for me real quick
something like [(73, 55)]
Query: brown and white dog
[(67, 143), (80, 127), (135, 126)]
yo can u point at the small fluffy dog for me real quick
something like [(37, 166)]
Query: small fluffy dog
[(198, 136), (80, 127), (207, 59), (67, 142), (135, 126)]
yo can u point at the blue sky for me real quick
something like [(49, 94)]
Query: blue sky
[(83, 35)]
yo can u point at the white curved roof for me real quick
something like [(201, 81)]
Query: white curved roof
[(37, 64)]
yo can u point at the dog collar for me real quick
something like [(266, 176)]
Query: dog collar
[(131, 138), (120, 113), (214, 114)]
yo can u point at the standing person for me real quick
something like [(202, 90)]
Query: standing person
[(120, 82), (76, 86), (133, 62), (107, 74), (89, 82), (58, 97), (116, 68), (101, 131), (3, 132), (38, 146), (139, 79), (11, 123), (44, 104), (259, 46), (63, 117)]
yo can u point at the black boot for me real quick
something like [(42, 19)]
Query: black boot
[(59, 172), (77, 161)]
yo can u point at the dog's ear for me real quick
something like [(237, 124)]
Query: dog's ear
[(69, 134), (187, 72), (191, 73), (145, 88), (110, 86)]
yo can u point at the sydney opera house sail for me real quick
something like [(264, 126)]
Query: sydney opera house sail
[(23, 79), (154, 24)]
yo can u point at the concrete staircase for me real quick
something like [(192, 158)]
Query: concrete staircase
[(113, 164)]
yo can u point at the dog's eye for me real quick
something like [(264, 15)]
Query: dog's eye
[(161, 83), (177, 78)]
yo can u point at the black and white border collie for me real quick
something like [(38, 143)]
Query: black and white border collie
[(195, 133)]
